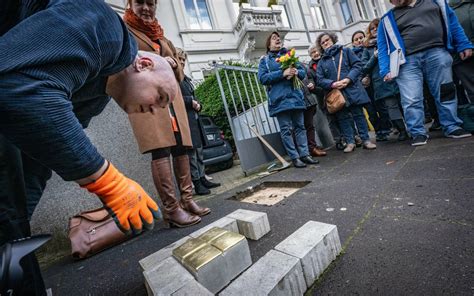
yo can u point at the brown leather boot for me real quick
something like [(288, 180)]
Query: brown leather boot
[(173, 213), (183, 175)]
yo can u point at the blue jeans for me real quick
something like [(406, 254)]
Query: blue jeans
[(433, 65), (345, 121), (289, 122)]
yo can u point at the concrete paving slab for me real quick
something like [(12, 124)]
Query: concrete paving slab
[(152, 261), (192, 288), (275, 273), (316, 245), (251, 224), (224, 223), (166, 278)]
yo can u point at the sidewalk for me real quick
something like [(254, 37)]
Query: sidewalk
[(407, 227)]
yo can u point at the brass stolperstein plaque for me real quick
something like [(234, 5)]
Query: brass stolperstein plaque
[(188, 248), (201, 257), (212, 234), (227, 240)]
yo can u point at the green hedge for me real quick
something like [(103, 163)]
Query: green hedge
[(209, 94)]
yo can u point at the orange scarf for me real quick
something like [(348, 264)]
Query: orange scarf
[(152, 30)]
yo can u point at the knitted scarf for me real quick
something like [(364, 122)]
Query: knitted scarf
[(152, 30)]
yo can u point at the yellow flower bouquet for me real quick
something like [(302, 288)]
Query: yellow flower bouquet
[(289, 60)]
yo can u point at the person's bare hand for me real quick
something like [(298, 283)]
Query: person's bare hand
[(310, 86), (287, 72), (467, 53), (171, 61), (387, 77), (345, 82), (196, 106), (366, 81)]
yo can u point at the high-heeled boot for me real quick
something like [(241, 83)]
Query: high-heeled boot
[(182, 172), (173, 213)]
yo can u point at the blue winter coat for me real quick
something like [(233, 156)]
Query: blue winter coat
[(281, 94), (371, 67), (351, 68), (455, 39)]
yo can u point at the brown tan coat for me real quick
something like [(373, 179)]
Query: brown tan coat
[(154, 131)]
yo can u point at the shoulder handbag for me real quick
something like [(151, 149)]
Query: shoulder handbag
[(93, 231), (335, 99)]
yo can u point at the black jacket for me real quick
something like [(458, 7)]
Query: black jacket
[(195, 125)]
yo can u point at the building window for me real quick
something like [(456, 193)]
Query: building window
[(374, 6), (346, 12), (362, 9), (318, 14), (198, 14)]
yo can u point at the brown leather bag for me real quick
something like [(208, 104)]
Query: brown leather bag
[(93, 231), (335, 99)]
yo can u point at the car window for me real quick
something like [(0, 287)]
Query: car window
[(206, 121)]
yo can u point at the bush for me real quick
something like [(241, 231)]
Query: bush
[(209, 94)]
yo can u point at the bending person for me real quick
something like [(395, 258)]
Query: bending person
[(51, 85), (165, 132)]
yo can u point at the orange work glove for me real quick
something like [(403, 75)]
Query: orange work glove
[(125, 200)]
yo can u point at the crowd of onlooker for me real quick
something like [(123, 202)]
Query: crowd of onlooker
[(399, 73)]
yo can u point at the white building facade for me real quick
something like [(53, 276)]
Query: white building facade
[(215, 30)]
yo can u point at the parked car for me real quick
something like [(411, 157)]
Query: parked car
[(216, 150)]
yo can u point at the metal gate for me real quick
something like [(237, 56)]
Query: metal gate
[(245, 103)]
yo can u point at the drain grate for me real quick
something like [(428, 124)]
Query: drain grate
[(269, 193)]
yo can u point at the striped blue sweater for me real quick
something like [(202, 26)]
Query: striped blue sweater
[(53, 71)]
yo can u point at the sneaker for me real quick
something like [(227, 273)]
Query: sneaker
[(349, 148), (459, 133), (369, 145), (419, 140)]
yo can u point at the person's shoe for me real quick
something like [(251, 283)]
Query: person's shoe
[(200, 189), (459, 134), (349, 148), (308, 160), (402, 136), (297, 163), (419, 140), (316, 152), (381, 138), (358, 141), (369, 145), (436, 126), (209, 184)]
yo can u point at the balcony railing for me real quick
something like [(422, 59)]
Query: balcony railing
[(251, 19)]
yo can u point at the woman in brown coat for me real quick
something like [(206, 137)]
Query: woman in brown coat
[(164, 132)]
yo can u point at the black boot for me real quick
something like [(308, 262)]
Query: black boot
[(200, 189), (209, 184), (400, 126)]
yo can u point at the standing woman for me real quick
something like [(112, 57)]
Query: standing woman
[(164, 132), (350, 85), (385, 93), (284, 101)]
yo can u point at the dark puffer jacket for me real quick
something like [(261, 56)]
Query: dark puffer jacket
[(281, 94), (318, 91), (351, 68), (371, 67)]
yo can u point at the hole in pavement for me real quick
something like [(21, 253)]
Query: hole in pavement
[(269, 193)]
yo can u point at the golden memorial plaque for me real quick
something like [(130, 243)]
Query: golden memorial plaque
[(201, 257), (227, 240), (188, 248), (212, 234)]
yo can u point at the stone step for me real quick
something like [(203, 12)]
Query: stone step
[(316, 244), (275, 273), (252, 224)]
